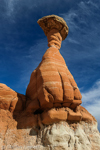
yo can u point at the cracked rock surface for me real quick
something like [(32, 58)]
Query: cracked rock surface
[(59, 136), (51, 84), (50, 115)]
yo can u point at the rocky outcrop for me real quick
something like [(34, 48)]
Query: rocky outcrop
[(49, 116), (51, 84), (14, 104), (50, 22), (11, 100), (58, 136), (71, 136), (27, 118), (52, 94), (66, 114)]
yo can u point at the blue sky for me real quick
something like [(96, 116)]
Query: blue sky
[(23, 43)]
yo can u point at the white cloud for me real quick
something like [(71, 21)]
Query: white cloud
[(82, 5), (93, 95), (94, 109), (83, 22), (91, 101), (10, 7), (93, 4), (69, 18), (83, 19), (73, 41)]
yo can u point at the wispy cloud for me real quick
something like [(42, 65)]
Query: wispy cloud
[(92, 96), (10, 7), (73, 41), (13, 7), (81, 49), (84, 22), (93, 4), (69, 18), (91, 101), (94, 109)]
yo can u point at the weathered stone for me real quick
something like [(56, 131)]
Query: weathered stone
[(32, 106), (63, 136), (26, 120), (49, 117), (11, 100), (86, 116), (66, 104), (59, 136), (6, 120), (53, 116), (51, 82), (74, 116), (57, 105), (50, 22), (75, 104)]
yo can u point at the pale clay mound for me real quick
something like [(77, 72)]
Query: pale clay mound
[(59, 136)]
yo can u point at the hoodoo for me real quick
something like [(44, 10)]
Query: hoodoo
[(52, 94), (50, 115), (51, 84)]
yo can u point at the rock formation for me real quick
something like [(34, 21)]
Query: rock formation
[(49, 116), (11, 100), (51, 83)]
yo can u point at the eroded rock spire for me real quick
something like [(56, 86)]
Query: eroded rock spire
[(49, 116), (51, 84), (52, 94)]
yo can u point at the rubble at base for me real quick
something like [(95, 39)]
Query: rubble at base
[(50, 115), (58, 136)]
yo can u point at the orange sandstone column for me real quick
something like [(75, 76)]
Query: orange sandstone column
[(51, 84)]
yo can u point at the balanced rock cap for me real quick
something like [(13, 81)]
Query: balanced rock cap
[(54, 22)]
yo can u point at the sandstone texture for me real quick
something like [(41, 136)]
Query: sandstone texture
[(50, 22), (50, 115), (51, 83), (14, 104), (11, 100), (25, 118), (66, 114), (58, 136)]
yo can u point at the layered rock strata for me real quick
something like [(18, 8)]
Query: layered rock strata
[(51, 83), (11, 100), (54, 129), (58, 136), (49, 116), (14, 103), (50, 22), (52, 94)]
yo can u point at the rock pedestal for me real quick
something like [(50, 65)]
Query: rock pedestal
[(49, 116), (51, 84)]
